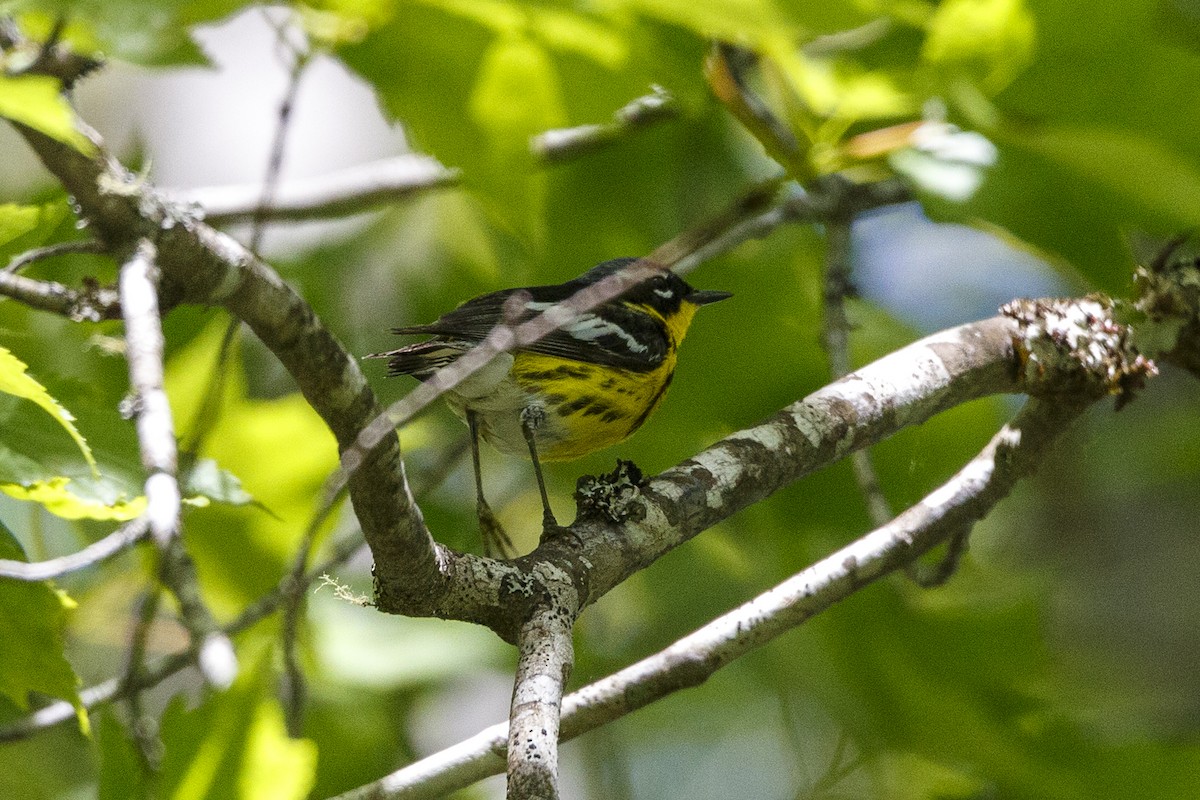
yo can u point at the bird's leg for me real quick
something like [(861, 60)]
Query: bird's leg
[(496, 543), (531, 419)]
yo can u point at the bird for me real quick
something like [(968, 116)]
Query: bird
[(585, 386)]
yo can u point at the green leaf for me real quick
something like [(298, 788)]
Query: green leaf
[(25, 226), (517, 93), (151, 34), (275, 766), (1146, 172), (992, 40), (207, 480), (15, 381), (122, 775), (32, 620), (234, 746), (37, 101)]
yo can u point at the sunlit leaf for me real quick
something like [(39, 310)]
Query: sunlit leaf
[(27, 226), (143, 33), (992, 39), (274, 765), (57, 496), (15, 381), (517, 92), (37, 101)]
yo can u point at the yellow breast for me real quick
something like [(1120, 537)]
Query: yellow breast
[(588, 407)]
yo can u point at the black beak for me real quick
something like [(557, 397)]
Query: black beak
[(703, 298)]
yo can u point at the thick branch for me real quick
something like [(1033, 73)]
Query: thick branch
[(955, 506), (201, 265), (544, 664), (904, 388)]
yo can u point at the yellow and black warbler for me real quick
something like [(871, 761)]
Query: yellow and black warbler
[(585, 386)]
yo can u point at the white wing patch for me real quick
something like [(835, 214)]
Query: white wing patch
[(589, 327)]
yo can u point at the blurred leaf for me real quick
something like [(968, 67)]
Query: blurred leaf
[(144, 33), (842, 89), (23, 227), (360, 647), (1093, 134), (37, 101), (15, 381), (208, 480), (748, 20), (122, 776), (32, 619), (1145, 173), (516, 94), (275, 766), (234, 746), (993, 40)]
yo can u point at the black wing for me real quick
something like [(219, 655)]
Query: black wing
[(612, 335)]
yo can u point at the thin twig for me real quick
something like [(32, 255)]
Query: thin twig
[(90, 305), (354, 190), (20, 262), (131, 532), (142, 724), (835, 335), (294, 689), (156, 439), (726, 70), (565, 143), (968, 496), (301, 56), (208, 412)]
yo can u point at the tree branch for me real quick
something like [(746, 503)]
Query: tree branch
[(565, 143), (353, 190), (129, 533), (94, 304), (200, 265), (963, 500), (835, 335), (544, 664), (20, 262), (156, 439)]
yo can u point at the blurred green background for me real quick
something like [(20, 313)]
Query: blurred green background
[(1058, 663)]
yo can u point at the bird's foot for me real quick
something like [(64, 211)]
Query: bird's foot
[(496, 542)]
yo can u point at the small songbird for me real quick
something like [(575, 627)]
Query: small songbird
[(585, 386)]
